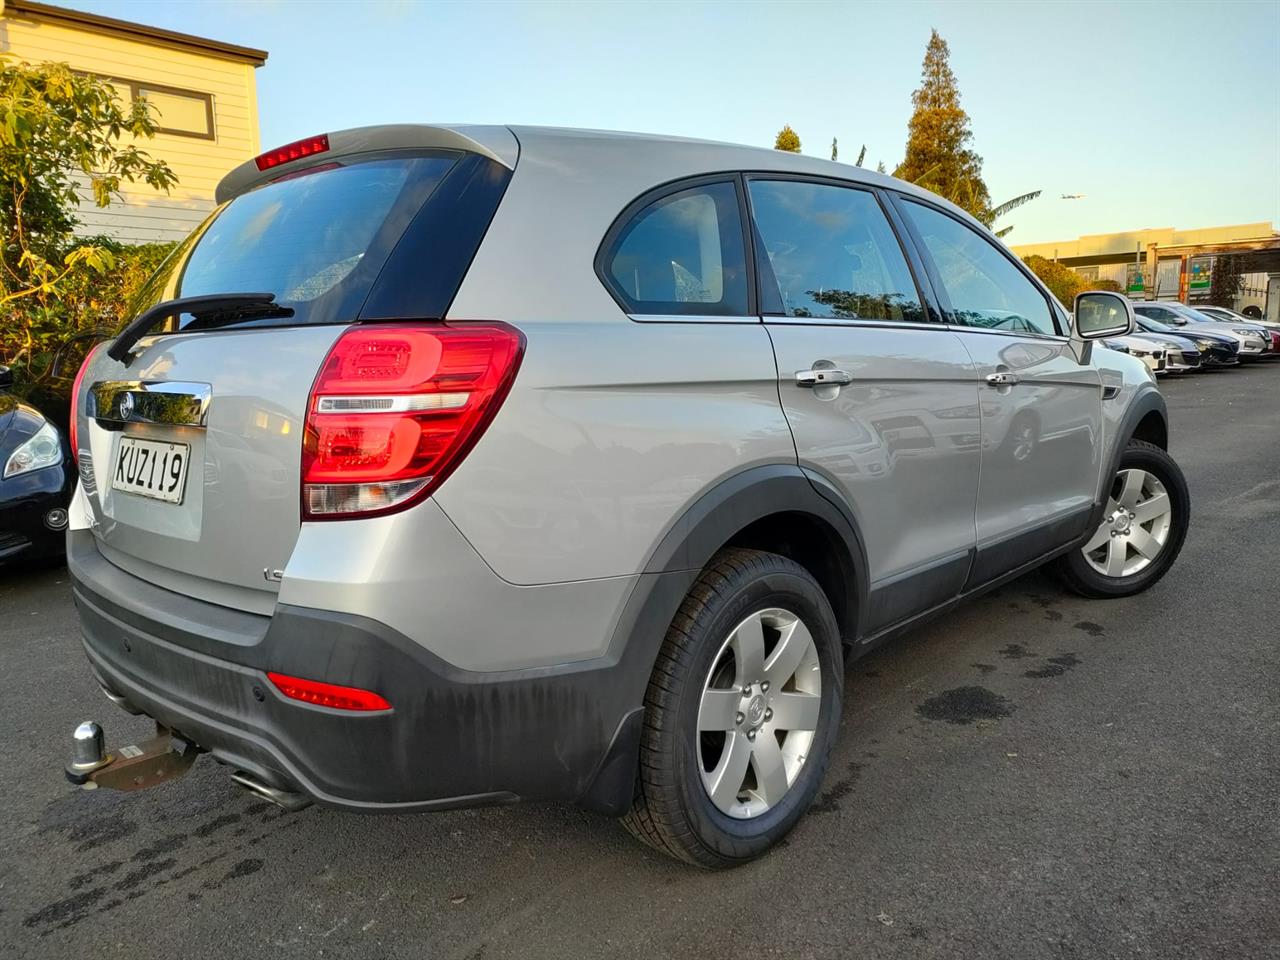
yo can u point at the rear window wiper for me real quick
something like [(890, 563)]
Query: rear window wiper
[(211, 310)]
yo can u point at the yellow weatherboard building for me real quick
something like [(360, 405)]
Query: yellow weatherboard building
[(204, 94)]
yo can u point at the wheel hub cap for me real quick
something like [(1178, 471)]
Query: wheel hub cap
[(1135, 527), (759, 712)]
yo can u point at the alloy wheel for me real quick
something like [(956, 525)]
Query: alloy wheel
[(758, 713), (1135, 526)]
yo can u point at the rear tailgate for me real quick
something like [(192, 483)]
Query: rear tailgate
[(191, 445), (233, 518)]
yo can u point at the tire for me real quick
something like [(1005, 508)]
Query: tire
[(673, 810), (1082, 576)]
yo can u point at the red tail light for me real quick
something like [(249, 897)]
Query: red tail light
[(292, 151), (73, 430), (328, 694), (395, 408)]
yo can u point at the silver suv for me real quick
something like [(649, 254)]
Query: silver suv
[(447, 466)]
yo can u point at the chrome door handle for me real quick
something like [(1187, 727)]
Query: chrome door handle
[(823, 376), (1002, 379)]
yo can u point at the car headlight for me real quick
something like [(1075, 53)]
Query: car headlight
[(1203, 345), (42, 449), (1245, 332)]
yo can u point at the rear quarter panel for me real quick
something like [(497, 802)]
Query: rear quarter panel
[(613, 426), (611, 429)]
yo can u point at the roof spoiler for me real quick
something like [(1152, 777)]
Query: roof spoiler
[(495, 142)]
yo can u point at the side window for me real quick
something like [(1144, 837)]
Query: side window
[(832, 252), (984, 288), (682, 255)]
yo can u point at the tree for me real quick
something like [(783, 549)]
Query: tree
[(938, 156), (835, 152), (61, 133), (1063, 282), (1226, 280), (862, 155), (787, 140), (1000, 209)]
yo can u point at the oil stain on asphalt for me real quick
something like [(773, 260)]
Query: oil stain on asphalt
[(829, 802), (151, 866), (1055, 666), (966, 705)]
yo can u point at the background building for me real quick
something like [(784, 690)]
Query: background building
[(204, 93), (1169, 264)]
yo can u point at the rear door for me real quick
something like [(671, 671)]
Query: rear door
[(1041, 407), (882, 403), (190, 448)]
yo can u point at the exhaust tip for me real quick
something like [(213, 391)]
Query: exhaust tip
[(286, 799)]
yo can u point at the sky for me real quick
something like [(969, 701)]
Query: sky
[(1163, 114)]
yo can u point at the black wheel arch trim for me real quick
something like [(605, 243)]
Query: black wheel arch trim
[(735, 503), (707, 524)]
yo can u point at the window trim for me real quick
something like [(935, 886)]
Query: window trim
[(927, 303), (608, 246), (137, 85), (898, 198)]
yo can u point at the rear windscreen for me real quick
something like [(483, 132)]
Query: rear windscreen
[(316, 239)]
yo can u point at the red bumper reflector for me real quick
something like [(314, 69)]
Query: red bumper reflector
[(328, 694), (292, 151)]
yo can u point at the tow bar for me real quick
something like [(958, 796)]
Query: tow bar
[(164, 757)]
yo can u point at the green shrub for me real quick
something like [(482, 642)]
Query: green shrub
[(1063, 282), (65, 137)]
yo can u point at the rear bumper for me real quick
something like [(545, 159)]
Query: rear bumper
[(452, 738)]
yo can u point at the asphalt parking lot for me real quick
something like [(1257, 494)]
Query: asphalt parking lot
[(1034, 776)]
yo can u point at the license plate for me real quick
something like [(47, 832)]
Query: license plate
[(151, 468)]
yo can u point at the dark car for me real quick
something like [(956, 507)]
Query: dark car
[(53, 393), (36, 479), (1216, 349)]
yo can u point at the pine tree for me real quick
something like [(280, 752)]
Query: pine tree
[(1226, 280), (787, 140), (835, 152), (938, 155)]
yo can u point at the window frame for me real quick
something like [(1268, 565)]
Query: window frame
[(929, 305), (609, 246), (897, 198), (135, 86)]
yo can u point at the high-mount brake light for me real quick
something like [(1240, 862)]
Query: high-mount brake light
[(292, 151), (330, 695), (73, 430), (396, 407)]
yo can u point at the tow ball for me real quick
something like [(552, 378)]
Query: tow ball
[(164, 757)]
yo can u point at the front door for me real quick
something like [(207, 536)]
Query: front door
[(881, 403), (1041, 407)]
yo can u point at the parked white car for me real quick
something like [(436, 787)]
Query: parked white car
[(1152, 354), (1227, 315)]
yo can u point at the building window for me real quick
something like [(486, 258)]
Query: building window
[(1089, 273), (178, 112)]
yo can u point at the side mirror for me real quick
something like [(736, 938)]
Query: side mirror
[(1100, 313), (6, 378)]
